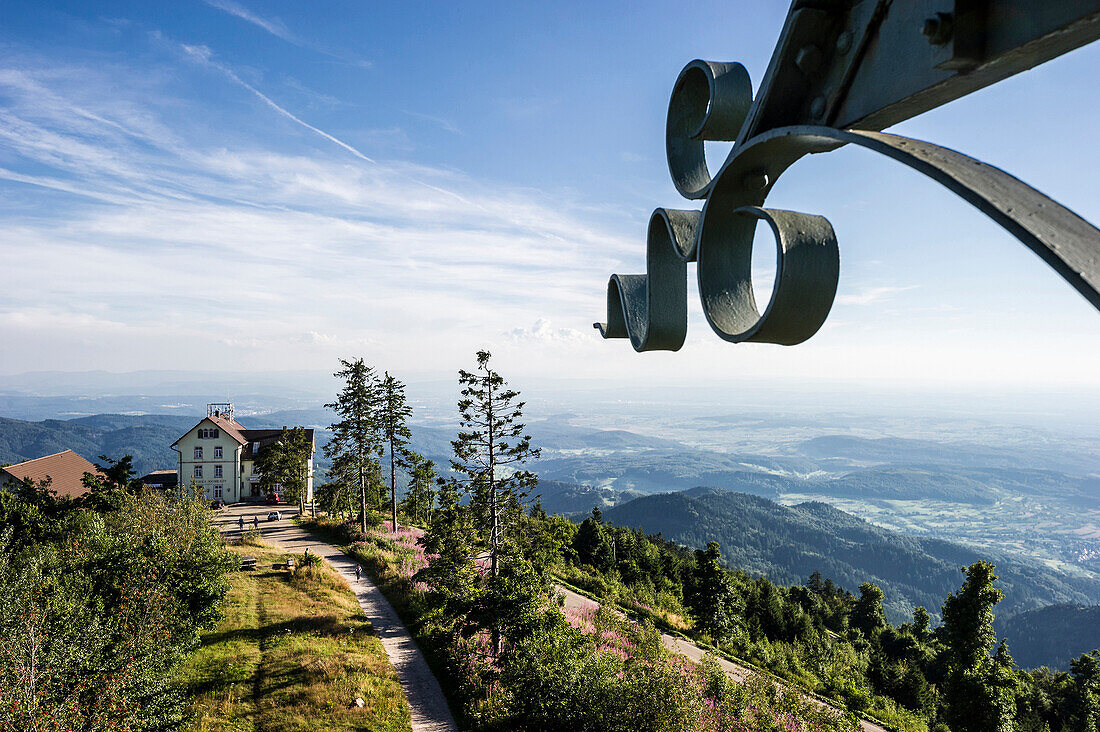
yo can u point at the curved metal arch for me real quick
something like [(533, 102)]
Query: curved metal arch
[(1061, 238), (651, 309), (723, 236)]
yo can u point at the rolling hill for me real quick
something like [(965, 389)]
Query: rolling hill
[(787, 544), (1051, 636)]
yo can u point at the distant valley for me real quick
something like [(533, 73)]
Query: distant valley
[(768, 491)]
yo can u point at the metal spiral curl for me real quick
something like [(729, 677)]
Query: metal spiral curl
[(710, 102)]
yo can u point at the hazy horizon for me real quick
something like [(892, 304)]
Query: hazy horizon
[(237, 186)]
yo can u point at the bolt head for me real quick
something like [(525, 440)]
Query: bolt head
[(817, 107), (809, 60), (939, 28), (844, 42)]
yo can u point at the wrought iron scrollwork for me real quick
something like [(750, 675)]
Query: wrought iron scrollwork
[(713, 101)]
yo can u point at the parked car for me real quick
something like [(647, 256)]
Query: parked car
[(274, 499), (274, 516), (217, 504)]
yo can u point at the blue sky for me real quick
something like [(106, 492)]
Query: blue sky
[(271, 185)]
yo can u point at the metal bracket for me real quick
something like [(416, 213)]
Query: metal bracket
[(869, 77)]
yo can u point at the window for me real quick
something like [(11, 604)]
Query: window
[(217, 491), (218, 451), (217, 471), (198, 453), (255, 448), (254, 471), (208, 433), (198, 471)]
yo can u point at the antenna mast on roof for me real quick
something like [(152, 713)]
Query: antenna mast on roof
[(220, 409)]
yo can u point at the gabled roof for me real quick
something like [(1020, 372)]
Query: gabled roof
[(164, 478), (230, 426), (65, 470)]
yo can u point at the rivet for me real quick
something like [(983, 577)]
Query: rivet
[(938, 29), (844, 42), (817, 107), (809, 60)]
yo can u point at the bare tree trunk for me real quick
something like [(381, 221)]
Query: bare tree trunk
[(393, 486), (362, 495), (494, 521)]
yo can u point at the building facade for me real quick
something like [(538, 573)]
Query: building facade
[(218, 456)]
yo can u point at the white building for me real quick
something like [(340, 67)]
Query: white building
[(218, 456)]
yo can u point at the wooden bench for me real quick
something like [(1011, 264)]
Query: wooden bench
[(248, 563)]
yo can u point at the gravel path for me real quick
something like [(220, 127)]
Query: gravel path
[(427, 704)]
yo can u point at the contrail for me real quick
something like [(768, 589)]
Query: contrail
[(203, 54)]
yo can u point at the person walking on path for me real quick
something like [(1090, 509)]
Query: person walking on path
[(358, 573), (256, 522), (306, 556), (240, 522)]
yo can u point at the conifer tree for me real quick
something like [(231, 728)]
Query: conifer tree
[(867, 613), (451, 573), (710, 596), (592, 543), (420, 498), (393, 412), (488, 453), (977, 694), (355, 437), (490, 444), (1084, 695), (284, 463)]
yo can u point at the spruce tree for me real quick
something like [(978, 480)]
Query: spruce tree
[(1084, 694), (420, 496), (490, 446), (709, 595), (488, 453), (355, 437), (451, 575), (977, 692), (867, 613), (393, 412)]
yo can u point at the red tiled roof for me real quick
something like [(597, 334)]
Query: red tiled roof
[(230, 426), (65, 471)]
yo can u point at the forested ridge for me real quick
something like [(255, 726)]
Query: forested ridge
[(1051, 636), (787, 544)]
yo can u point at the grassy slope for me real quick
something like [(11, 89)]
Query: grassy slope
[(293, 653)]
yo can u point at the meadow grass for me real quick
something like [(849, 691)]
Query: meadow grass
[(292, 654)]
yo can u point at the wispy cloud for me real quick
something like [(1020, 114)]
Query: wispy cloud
[(442, 122), (272, 25), (234, 254), (277, 28), (870, 295)]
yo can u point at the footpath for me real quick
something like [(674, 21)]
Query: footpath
[(427, 705)]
